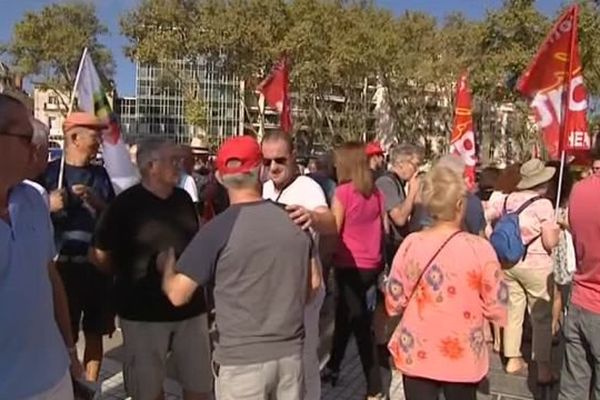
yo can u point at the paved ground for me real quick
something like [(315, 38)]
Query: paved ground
[(351, 384)]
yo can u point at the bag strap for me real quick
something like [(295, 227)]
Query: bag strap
[(527, 204), (431, 260)]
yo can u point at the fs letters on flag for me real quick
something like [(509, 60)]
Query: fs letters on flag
[(91, 98), (462, 141), (554, 82), (275, 89)]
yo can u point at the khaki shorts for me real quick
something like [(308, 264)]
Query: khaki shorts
[(148, 346), (281, 379)]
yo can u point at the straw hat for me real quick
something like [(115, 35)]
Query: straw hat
[(534, 173)]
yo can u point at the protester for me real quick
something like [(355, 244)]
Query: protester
[(528, 280), (474, 221), (360, 217), (323, 175), (261, 283), (307, 205), (40, 157), (400, 188), (85, 191), (140, 223), (399, 205), (579, 376), (486, 182), (376, 159), (443, 277), (596, 167), (187, 181), (33, 311)]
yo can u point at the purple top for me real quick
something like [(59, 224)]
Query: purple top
[(361, 234)]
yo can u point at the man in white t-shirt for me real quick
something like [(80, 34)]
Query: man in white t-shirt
[(307, 205)]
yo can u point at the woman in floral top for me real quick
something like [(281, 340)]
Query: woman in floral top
[(439, 345)]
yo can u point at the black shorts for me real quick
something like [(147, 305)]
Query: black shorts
[(89, 296)]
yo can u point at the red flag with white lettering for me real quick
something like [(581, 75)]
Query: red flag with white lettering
[(275, 88), (462, 141), (554, 82)]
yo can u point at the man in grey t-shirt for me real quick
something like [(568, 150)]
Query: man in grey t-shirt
[(263, 270)]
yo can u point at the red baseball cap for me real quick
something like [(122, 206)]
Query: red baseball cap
[(374, 149), (238, 155)]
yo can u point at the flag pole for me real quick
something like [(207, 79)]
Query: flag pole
[(566, 113), (261, 116), (61, 172)]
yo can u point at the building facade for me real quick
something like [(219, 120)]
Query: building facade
[(168, 95)]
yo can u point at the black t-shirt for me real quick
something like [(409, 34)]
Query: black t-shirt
[(135, 228)]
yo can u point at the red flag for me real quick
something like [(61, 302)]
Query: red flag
[(554, 82), (275, 88), (462, 141)]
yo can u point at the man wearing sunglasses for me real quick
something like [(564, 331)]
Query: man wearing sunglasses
[(34, 315), (76, 204), (307, 206)]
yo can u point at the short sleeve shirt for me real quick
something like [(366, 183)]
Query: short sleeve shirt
[(393, 194), (188, 184), (75, 224), (258, 261), (31, 344), (303, 191), (531, 221), (134, 229), (362, 231), (584, 220)]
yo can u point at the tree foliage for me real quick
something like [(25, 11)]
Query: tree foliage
[(47, 45), (343, 50)]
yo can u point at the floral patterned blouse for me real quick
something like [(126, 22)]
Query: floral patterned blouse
[(441, 334)]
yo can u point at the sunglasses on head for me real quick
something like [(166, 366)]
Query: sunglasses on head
[(279, 161)]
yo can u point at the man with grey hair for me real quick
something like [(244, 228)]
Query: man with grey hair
[(474, 221), (262, 282), (40, 157), (140, 223)]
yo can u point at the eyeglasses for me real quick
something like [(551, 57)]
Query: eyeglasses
[(279, 161)]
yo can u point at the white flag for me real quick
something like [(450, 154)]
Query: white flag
[(91, 98)]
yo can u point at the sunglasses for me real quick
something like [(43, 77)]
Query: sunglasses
[(267, 162)]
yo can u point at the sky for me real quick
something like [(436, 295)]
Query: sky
[(110, 10)]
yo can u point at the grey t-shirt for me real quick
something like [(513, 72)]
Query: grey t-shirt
[(393, 194), (257, 261)]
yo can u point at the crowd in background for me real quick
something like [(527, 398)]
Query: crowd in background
[(225, 266)]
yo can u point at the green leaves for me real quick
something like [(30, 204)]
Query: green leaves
[(48, 44)]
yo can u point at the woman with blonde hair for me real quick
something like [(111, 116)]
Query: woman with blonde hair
[(359, 214), (443, 277)]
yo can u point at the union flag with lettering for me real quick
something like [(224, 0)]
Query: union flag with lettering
[(462, 141), (554, 83)]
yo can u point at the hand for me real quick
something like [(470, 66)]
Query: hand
[(414, 184), (76, 368), (57, 200), (300, 215), (86, 194), (555, 325), (165, 260)]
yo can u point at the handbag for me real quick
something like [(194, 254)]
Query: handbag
[(384, 325)]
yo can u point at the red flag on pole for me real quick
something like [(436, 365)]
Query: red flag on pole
[(275, 89), (462, 141), (554, 82)]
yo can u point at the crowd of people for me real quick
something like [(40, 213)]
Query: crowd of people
[(225, 270)]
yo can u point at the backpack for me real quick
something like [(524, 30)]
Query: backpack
[(506, 237)]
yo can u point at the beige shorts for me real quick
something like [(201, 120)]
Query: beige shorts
[(148, 346)]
